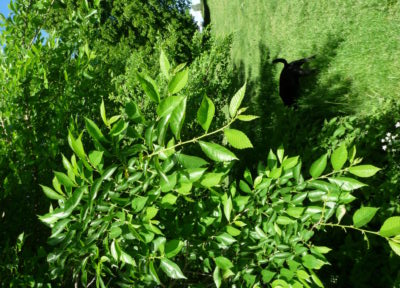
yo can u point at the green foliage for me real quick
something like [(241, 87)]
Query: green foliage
[(141, 212)]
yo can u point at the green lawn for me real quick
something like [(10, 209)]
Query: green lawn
[(357, 44)]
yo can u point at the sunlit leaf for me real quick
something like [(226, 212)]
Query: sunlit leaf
[(237, 139), (164, 64), (51, 194), (178, 81), (364, 215), (364, 170), (205, 113), (236, 101), (223, 263), (339, 157), (217, 152), (318, 167), (171, 269), (391, 227)]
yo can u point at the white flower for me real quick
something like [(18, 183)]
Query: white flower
[(397, 125), (384, 147), (388, 134), (383, 140)]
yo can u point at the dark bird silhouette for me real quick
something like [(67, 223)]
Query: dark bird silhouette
[(289, 84)]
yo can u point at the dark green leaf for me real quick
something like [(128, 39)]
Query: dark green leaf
[(149, 87), (94, 131), (173, 247)]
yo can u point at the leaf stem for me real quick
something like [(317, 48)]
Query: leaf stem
[(194, 140), (351, 227)]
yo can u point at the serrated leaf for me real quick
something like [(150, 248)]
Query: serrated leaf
[(177, 118), (168, 105), (173, 247), (247, 118), (164, 64), (178, 81), (237, 139), (347, 184), (217, 152), (51, 194), (223, 263), (339, 158), (206, 113), (363, 216), (171, 269), (391, 227), (188, 161), (149, 87), (318, 167), (364, 170), (236, 101), (228, 209)]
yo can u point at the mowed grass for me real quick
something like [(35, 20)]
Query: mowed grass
[(357, 44)]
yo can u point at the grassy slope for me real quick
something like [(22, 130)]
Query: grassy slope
[(357, 44)]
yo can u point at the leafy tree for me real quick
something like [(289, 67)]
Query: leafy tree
[(58, 60)]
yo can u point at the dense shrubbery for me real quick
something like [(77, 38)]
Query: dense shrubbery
[(148, 196), (137, 209)]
